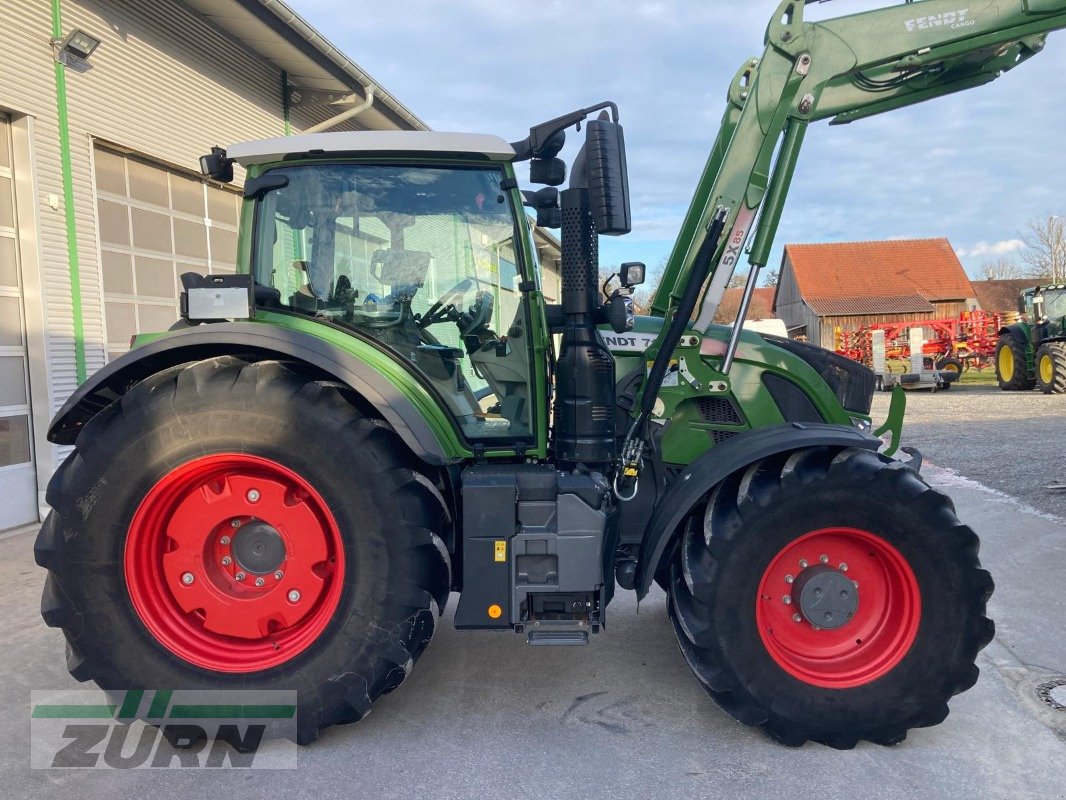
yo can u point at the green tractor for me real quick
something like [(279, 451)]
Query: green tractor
[(1033, 352), (282, 491)]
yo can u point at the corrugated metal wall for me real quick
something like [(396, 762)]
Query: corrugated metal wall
[(163, 83)]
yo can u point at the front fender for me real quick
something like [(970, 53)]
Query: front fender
[(260, 341), (734, 454)]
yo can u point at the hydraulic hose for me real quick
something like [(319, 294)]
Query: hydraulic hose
[(701, 267), (633, 448)]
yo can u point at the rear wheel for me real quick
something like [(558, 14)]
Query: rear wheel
[(1051, 368), (816, 616), (1011, 369), (232, 525)]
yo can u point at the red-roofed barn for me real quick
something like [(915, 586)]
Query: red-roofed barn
[(847, 285)]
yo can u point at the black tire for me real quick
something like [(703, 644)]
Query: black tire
[(392, 522), (1018, 380), (1051, 368), (950, 363), (715, 588)]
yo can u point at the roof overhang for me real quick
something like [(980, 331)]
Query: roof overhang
[(263, 151), (315, 68)]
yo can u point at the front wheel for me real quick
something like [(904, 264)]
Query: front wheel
[(233, 525), (831, 596), (1051, 368)]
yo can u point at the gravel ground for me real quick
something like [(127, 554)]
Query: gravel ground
[(1013, 442)]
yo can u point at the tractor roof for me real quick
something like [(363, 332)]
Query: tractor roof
[(266, 150)]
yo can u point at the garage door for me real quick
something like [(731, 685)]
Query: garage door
[(18, 482), (155, 223)]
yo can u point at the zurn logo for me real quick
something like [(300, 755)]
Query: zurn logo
[(86, 729), (948, 19)]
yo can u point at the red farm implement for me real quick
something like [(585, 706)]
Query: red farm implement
[(967, 342)]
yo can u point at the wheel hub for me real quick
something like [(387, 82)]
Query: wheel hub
[(258, 548), (234, 563), (818, 630), (826, 597)]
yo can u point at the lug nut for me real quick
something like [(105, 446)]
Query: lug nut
[(278, 575), (803, 563), (253, 495), (259, 581), (226, 561), (786, 600), (187, 578), (240, 576), (224, 540), (789, 579), (797, 618), (843, 567), (235, 523), (824, 559), (294, 596)]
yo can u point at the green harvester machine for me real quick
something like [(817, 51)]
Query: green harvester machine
[(282, 491)]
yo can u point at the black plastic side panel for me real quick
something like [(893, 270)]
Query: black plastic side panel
[(791, 400), (490, 498), (721, 461), (258, 340)]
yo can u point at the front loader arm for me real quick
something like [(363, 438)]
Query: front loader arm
[(842, 69)]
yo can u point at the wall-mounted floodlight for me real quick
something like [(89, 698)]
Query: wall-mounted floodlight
[(75, 48)]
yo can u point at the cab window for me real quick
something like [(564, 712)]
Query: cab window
[(421, 259)]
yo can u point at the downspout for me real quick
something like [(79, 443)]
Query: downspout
[(344, 116), (68, 200), (285, 100)]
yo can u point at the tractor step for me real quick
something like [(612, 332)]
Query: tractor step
[(574, 638)]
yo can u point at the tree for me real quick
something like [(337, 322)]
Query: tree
[(738, 280), (1045, 248), (771, 278), (999, 269)]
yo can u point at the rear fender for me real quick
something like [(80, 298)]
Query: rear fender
[(259, 342), (734, 454)]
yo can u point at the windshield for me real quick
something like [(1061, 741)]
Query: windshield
[(422, 259), (1055, 305)]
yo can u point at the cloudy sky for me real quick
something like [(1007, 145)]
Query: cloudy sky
[(974, 167)]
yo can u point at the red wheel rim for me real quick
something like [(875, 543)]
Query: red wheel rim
[(864, 648), (189, 586)]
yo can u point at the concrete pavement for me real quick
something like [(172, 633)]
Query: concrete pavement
[(485, 716)]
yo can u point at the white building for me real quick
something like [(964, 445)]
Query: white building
[(101, 206)]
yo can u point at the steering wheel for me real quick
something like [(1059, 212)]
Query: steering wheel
[(444, 308), (479, 314)]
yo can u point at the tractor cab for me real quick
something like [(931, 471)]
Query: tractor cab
[(423, 251)]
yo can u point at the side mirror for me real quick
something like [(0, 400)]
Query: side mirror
[(632, 273), (547, 171), (217, 165), (608, 177)]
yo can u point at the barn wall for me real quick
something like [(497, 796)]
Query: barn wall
[(857, 321)]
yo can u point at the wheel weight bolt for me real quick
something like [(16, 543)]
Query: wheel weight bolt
[(187, 578), (253, 495), (294, 596)]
